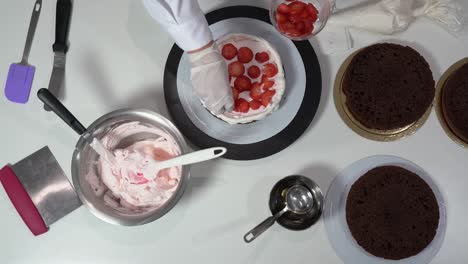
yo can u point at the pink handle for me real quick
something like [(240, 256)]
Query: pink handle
[(22, 201)]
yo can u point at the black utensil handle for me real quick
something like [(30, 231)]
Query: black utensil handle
[(62, 25), (59, 109)]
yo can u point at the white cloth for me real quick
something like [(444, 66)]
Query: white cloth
[(392, 16), (183, 20), (210, 80)]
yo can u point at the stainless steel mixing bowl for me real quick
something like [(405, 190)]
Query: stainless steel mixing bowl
[(84, 158)]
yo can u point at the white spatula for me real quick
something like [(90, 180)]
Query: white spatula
[(191, 158), (194, 157), (106, 154)]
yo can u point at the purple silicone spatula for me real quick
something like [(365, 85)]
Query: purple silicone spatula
[(20, 75)]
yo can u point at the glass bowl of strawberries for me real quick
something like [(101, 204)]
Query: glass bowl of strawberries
[(299, 19)]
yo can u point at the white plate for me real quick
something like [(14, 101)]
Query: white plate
[(334, 213)]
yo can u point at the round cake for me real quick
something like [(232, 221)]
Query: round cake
[(388, 86), (392, 213), (256, 77), (455, 102)]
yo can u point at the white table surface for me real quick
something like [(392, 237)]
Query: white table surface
[(116, 60)]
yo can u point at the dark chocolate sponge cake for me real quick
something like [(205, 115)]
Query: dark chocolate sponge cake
[(455, 102), (388, 86), (392, 213)]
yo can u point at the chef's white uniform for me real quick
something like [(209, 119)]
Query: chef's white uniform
[(186, 23), (183, 19)]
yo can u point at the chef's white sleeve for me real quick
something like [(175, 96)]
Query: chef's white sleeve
[(183, 20)]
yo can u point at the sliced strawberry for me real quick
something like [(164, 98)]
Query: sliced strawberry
[(245, 55), (241, 105), (300, 26), (304, 14), (294, 33), (314, 18), (255, 104), (229, 51), (308, 28), (267, 96), (268, 84), (270, 70), (242, 83), (256, 92), (311, 9), (310, 20), (294, 19), (284, 9), (297, 7), (235, 93), (288, 26), (262, 57), (253, 72), (281, 27), (280, 18), (236, 69), (255, 84)]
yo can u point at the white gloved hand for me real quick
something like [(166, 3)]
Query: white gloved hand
[(210, 77)]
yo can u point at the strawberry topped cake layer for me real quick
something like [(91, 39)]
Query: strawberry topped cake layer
[(256, 77)]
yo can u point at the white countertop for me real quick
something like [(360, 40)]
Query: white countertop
[(116, 60)]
